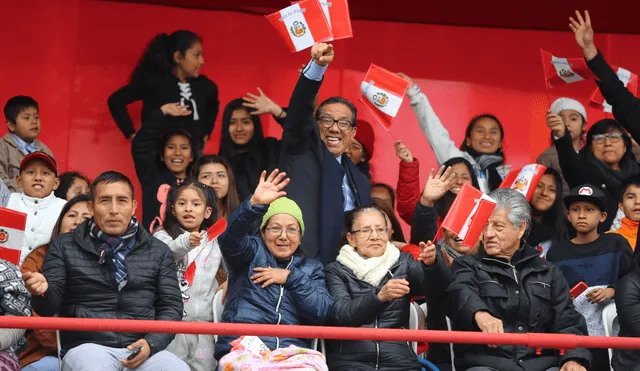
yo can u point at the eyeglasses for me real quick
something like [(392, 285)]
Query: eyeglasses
[(613, 138), (368, 232), (277, 231), (328, 122)]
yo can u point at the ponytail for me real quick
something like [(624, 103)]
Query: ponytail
[(157, 59)]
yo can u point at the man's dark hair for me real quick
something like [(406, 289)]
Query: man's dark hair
[(633, 180), (346, 102), (109, 177), (16, 105)]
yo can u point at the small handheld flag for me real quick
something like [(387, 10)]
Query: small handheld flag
[(469, 214), (558, 71), (525, 179), (382, 93), (301, 24)]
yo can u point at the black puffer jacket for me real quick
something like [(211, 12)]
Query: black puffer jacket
[(628, 307), (528, 295), (357, 305), (81, 287)]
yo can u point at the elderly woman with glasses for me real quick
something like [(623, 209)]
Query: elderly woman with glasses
[(372, 283), (508, 288), (605, 160), (270, 281)]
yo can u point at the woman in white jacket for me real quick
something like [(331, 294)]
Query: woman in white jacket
[(190, 212), (482, 146)]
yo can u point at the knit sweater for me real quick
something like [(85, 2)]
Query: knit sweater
[(628, 230)]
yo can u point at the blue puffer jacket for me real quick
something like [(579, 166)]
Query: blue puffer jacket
[(302, 300)]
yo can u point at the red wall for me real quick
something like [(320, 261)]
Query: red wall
[(71, 54)]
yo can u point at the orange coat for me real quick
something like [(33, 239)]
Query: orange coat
[(628, 230)]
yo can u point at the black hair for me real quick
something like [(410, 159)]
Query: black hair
[(66, 181), (633, 180), (163, 143), (472, 124), (157, 60), (447, 200), (65, 210), (397, 235), (17, 104), (556, 217), (346, 102), (231, 200), (605, 126), (109, 177), (228, 148), (389, 189), (171, 224)]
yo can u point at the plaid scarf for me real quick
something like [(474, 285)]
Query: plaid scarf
[(118, 246)]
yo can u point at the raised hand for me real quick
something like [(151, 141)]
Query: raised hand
[(269, 188), (322, 53), (584, 34), (262, 104), (554, 122), (394, 288), (35, 282), (406, 78), (175, 109), (437, 186), (488, 323), (403, 152), (427, 253)]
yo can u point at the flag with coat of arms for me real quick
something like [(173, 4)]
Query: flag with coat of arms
[(12, 225), (301, 25), (382, 93), (524, 180), (337, 14), (469, 214), (628, 79), (558, 71)]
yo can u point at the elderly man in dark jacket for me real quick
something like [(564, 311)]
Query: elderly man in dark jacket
[(109, 267), (508, 288), (324, 181)]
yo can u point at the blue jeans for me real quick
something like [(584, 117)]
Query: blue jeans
[(48, 363)]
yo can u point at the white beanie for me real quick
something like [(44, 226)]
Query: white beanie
[(562, 104)]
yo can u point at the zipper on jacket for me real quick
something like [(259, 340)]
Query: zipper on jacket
[(513, 267), (278, 305), (377, 347), (544, 284)]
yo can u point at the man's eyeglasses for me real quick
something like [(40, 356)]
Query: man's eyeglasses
[(328, 122), (613, 138), (277, 231)]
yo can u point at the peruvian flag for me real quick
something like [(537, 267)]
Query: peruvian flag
[(524, 180), (383, 92), (12, 225), (212, 233), (301, 24), (468, 214), (558, 71), (628, 78), (337, 14)]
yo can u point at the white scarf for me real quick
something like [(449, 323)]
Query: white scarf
[(370, 270)]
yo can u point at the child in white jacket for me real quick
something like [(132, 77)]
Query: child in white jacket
[(190, 212), (38, 178)]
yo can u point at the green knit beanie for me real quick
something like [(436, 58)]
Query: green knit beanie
[(287, 206)]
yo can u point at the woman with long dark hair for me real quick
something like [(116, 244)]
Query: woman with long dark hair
[(216, 172), (482, 146), (244, 146), (548, 218), (169, 72)]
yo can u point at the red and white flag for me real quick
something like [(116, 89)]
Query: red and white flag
[(301, 24), (469, 214), (383, 92), (558, 71), (524, 180), (628, 78), (12, 225), (337, 14)]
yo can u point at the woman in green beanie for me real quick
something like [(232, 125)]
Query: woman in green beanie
[(270, 280)]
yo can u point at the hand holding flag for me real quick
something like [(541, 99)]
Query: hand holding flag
[(322, 53), (555, 123), (195, 238)]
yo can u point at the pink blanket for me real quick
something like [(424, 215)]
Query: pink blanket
[(290, 358)]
